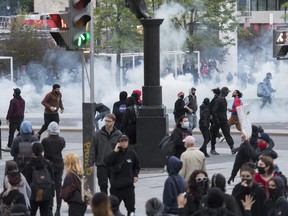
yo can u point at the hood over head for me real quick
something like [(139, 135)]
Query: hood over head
[(123, 95), (26, 127), (174, 165)]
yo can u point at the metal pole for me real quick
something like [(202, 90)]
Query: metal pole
[(92, 96), (12, 71)]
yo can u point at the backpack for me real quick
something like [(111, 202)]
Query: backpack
[(260, 90), (86, 194), (42, 186), (5, 209), (25, 150), (167, 145)]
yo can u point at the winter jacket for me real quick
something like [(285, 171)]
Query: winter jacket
[(23, 188), (179, 109), (267, 87), (124, 166), (53, 146), (71, 189), (16, 109), (246, 153), (258, 194), (128, 124), (52, 99), (222, 211), (100, 107), (178, 136), (257, 178), (173, 186), (102, 144), (192, 159), (204, 121), (219, 110), (119, 108)]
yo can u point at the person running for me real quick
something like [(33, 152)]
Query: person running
[(267, 91), (234, 120), (52, 103)]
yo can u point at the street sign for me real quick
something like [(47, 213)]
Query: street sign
[(61, 33), (280, 43)]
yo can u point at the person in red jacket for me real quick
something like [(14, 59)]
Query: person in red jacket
[(233, 120)]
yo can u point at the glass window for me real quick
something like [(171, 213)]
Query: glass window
[(261, 5), (272, 5), (280, 3), (253, 5)]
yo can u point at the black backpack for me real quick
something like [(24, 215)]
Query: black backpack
[(25, 150), (42, 186)]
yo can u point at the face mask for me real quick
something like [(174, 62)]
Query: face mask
[(272, 193), (182, 96), (185, 125), (261, 170), (248, 181)]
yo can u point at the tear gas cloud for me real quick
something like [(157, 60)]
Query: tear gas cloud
[(107, 92)]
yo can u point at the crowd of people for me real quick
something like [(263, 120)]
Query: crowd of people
[(34, 177)]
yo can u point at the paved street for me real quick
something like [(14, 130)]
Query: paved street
[(151, 181)]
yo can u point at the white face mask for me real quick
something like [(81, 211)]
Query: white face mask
[(185, 125)]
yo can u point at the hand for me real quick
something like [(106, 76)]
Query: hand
[(61, 110), (53, 108), (248, 202), (117, 147), (181, 200), (135, 179), (231, 179)]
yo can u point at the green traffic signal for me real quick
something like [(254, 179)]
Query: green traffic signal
[(82, 39)]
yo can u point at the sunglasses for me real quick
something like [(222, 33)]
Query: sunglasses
[(201, 179)]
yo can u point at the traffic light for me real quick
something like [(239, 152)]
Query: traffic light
[(280, 43), (61, 33), (79, 18)]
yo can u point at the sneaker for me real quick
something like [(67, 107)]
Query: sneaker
[(221, 139), (213, 152), (207, 155), (7, 149), (234, 150)]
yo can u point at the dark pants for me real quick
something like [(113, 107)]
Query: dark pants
[(76, 209), (44, 208), (207, 137), (48, 118), (13, 126), (58, 183), (102, 176), (226, 132), (128, 197), (266, 100)]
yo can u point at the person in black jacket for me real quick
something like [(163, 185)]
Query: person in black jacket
[(276, 203), (204, 124), (248, 187), (53, 146), (178, 135), (128, 124), (119, 108), (246, 153), (102, 112), (38, 162), (219, 113), (71, 189), (179, 107), (124, 165)]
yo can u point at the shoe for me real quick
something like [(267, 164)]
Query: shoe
[(207, 155), (221, 139), (7, 149), (213, 152), (234, 150)]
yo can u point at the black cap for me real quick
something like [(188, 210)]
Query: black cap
[(17, 91), (124, 137)]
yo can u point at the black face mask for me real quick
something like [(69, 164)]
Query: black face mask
[(261, 170), (248, 181), (182, 96), (274, 193)]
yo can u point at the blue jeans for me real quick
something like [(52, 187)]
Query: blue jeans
[(192, 120), (100, 116)]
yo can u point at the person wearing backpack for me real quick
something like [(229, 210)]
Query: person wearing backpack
[(53, 146), (71, 191), (40, 176), (128, 124), (11, 196), (21, 146), (267, 90)]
